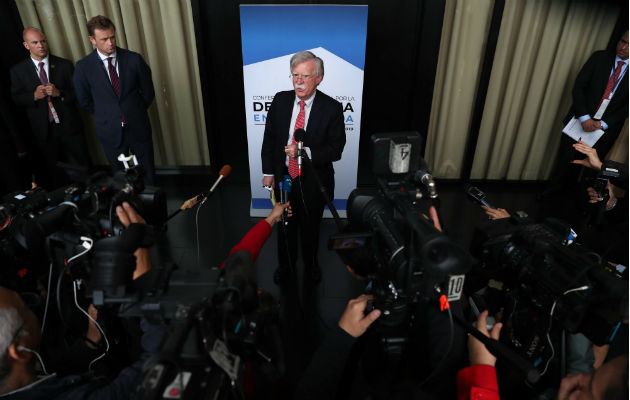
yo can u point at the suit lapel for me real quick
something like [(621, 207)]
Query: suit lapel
[(52, 69), (314, 117), (122, 64)]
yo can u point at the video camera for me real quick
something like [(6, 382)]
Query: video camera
[(38, 225), (389, 241), (541, 281)]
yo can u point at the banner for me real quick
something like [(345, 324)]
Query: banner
[(270, 35)]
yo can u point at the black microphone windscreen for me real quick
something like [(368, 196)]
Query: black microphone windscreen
[(299, 135)]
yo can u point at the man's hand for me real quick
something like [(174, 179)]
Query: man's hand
[(51, 90), (353, 320), (477, 352), (592, 161), (496, 213), (40, 92), (291, 150), (590, 125), (276, 214), (594, 197), (128, 215), (269, 181), (93, 334), (574, 386)]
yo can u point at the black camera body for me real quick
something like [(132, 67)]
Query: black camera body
[(540, 283), (389, 241)]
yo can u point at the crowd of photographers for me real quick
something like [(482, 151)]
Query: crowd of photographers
[(91, 354)]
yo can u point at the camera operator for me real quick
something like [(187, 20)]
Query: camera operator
[(20, 338)]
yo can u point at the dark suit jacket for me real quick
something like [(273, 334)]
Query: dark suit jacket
[(325, 136), (95, 94), (24, 80), (588, 90)]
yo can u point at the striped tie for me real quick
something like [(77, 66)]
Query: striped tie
[(299, 124), (113, 77)]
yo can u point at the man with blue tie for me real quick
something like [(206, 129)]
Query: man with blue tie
[(115, 85)]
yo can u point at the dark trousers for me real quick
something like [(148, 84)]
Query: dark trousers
[(307, 210), (142, 150), (58, 147)]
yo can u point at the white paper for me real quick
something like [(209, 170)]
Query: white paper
[(574, 131)]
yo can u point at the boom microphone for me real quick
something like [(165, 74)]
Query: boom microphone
[(299, 138)]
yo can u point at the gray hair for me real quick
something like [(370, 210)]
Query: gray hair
[(11, 324), (299, 58)]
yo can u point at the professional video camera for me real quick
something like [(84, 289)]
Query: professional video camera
[(541, 281), (39, 225), (408, 258)]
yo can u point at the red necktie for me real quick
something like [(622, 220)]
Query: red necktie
[(44, 79), (299, 124), (611, 82), (113, 77)]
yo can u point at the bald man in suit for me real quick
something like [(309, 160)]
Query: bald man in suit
[(42, 84)]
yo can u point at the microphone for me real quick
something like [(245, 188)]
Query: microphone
[(286, 186), (299, 138), (423, 175), (190, 203), (223, 173)]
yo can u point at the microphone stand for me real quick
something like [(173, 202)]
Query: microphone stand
[(331, 207)]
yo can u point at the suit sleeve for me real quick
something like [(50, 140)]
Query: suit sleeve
[(269, 142), (146, 83), (82, 88), (330, 150), (581, 86), (21, 95)]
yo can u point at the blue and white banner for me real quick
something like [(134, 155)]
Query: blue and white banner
[(270, 35)]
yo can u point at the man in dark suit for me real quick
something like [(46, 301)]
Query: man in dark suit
[(322, 118), (603, 69), (600, 101), (116, 86), (42, 84)]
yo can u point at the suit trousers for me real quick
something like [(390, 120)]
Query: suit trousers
[(142, 150), (58, 147), (307, 209)]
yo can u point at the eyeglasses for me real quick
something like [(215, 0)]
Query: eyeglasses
[(303, 76)]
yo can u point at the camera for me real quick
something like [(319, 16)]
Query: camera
[(531, 274), (389, 241)]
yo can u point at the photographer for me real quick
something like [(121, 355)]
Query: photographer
[(20, 338)]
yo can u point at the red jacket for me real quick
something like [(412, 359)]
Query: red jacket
[(477, 382), (253, 240)]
